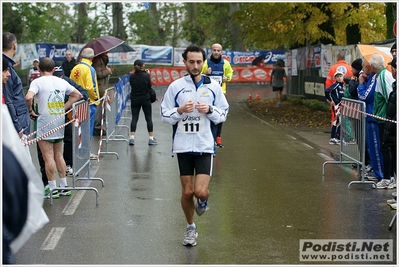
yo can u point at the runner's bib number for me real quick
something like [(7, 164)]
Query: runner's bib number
[(219, 79), (192, 123)]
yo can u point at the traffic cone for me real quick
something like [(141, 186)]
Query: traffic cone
[(250, 96), (257, 96)]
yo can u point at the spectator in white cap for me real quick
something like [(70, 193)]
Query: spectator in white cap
[(34, 72), (334, 94)]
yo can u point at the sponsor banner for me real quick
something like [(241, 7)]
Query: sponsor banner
[(237, 58), (294, 62), (366, 250), (165, 76), (123, 89), (317, 56), (54, 51), (178, 58), (27, 53), (75, 48), (157, 55)]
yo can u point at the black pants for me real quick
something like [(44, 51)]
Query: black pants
[(219, 129), (136, 106)]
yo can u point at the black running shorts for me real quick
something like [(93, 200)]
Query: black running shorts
[(190, 164)]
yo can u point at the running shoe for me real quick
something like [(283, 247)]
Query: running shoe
[(131, 142), (370, 177), (189, 237), (93, 156), (64, 192), (382, 184), (200, 208), (392, 184), (152, 142), (69, 171), (337, 141), (47, 192), (219, 142), (394, 206), (332, 141)]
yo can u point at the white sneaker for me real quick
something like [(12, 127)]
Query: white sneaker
[(69, 171), (394, 206), (382, 184), (392, 184)]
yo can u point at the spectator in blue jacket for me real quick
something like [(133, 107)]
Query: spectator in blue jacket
[(13, 90)]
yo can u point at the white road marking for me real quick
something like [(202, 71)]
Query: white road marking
[(325, 156), (306, 145), (74, 202), (52, 238), (292, 137), (77, 195)]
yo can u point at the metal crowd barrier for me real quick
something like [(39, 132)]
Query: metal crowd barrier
[(110, 109), (353, 138), (81, 148)]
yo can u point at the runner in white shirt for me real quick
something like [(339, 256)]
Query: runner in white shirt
[(194, 105), (50, 91)]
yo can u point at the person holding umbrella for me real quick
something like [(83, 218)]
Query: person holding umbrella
[(85, 75), (100, 64)]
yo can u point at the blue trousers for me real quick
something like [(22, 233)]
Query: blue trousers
[(374, 148), (93, 109)]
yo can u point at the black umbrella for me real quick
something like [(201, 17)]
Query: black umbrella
[(122, 48), (257, 60)]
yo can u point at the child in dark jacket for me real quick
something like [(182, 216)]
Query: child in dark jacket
[(334, 94)]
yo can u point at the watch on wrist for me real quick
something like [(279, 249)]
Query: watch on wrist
[(210, 110)]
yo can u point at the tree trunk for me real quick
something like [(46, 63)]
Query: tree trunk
[(326, 26), (390, 12), (234, 28), (80, 29), (117, 20), (353, 35)]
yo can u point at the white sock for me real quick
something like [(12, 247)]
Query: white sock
[(152, 137), (132, 137), (52, 184), (200, 201), (63, 182), (191, 225)]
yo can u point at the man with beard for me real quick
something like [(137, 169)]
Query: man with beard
[(194, 104)]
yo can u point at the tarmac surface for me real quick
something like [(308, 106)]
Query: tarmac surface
[(267, 194)]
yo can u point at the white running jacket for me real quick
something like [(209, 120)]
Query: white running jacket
[(194, 132)]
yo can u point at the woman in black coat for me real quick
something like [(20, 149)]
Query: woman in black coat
[(140, 83)]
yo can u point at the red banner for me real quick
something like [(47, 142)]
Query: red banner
[(165, 76)]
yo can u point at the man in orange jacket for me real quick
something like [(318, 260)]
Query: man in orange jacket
[(340, 66)]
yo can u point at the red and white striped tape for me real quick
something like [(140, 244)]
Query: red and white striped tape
[(28, 143), (355, 112), (107, 102)]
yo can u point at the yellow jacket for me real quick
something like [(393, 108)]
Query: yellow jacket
[(227, 71), (85, 75)]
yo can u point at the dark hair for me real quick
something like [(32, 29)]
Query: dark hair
[(8, 40), (46, 64), (193, 48), (347, 79), (6, 64)]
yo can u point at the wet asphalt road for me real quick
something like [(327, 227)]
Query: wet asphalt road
[(267, 193)]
